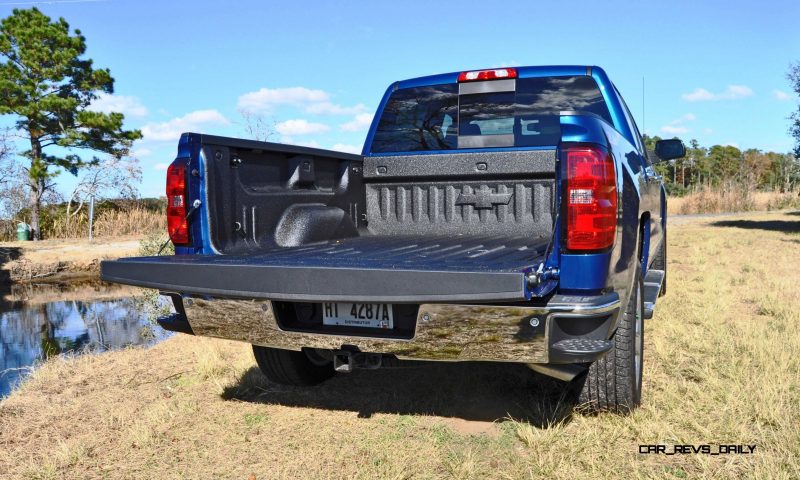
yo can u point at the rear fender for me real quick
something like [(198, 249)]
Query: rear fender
[(614, 269)]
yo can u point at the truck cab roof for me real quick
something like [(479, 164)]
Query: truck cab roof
[(522, 72)]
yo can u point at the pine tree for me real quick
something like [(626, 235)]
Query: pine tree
[(47, 85)]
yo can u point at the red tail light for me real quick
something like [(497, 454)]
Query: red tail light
[(177, 225), (494, 74), (591, 198)]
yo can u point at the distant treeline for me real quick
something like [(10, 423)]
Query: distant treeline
[(725, 166)]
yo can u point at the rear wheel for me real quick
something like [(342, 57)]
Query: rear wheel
[(289, 367), (614, 383)]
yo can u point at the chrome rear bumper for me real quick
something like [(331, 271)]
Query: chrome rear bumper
[(442, 332)]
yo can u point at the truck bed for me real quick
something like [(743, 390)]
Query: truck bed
[(375, 268)]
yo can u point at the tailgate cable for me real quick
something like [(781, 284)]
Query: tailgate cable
[(195, 205), (545, 277)]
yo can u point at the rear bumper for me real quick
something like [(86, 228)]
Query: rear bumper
[(527, 334)]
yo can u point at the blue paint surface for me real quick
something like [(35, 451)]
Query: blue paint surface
[(584, 272)]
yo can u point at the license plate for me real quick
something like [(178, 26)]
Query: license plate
[(369, 315)]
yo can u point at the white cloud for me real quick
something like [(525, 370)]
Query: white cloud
[(689, 117), (731, 144), (698, 95), (328, 108), (677, 127), (315, 102), (733, 92), (171, 130), (300, 127), (736, 91), (780, 95), (674, 130), (160, 167), (266, 99), (361, 122), (342, 147), (127, 105), (141, 152)]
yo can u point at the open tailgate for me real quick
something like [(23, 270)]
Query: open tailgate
[(365, 269)]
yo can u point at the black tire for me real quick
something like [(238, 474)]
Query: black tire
[(289, 367), (660, 263), (614, 383)]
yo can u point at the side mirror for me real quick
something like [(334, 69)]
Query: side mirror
[(670, 149)]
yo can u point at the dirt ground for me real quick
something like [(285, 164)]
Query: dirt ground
[(722, 366), (51, 259)]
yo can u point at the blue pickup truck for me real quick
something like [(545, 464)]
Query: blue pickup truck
[(508, 215)]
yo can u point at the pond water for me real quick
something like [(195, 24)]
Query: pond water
[(40, 321)]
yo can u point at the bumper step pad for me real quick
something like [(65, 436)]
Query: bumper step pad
[(579, 350), (652, 287), (580, 346)]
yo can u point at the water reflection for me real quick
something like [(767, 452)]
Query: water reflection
[(37, 322)]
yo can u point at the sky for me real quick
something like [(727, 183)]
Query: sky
[(314, 72)]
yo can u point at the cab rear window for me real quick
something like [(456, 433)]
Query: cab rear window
[(508, 113)]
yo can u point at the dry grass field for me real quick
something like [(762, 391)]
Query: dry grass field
[(737, 199), (111, 224), (134, 220), (722, 367)]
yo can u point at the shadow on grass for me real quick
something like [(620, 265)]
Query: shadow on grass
[(468, 390), (786, 226)]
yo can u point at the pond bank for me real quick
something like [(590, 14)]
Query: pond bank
[(60, 260)]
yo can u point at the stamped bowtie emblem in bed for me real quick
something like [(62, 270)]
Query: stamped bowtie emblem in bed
[(483, 198)]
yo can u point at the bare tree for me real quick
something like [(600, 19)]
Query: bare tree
[(794, 129), (113, 177), (7, 166), (12, 192), (258, 127)]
